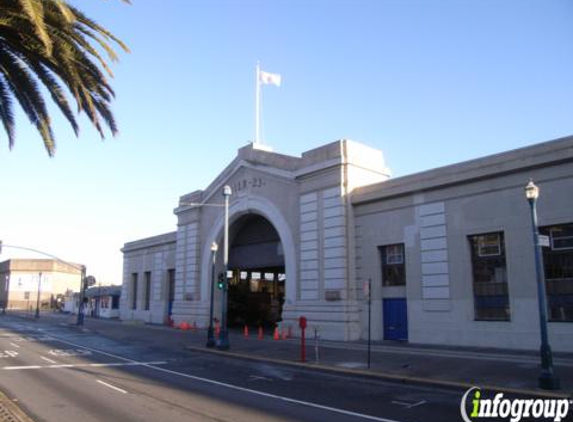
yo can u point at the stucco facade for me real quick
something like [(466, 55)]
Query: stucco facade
[(339, 221)]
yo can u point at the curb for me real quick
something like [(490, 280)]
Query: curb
[(10, 411), (402, 379)]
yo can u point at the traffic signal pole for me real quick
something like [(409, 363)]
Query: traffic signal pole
[(224, 339)]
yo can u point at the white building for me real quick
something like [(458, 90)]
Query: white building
[(449, 251)]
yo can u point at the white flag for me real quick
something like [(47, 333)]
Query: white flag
[(267, 78)]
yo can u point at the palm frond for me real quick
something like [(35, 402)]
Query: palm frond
[(6, 113), (53, 44)]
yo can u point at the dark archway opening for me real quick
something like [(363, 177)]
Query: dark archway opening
[(257, 288)]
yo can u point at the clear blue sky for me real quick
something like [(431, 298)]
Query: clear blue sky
[(429, 82)]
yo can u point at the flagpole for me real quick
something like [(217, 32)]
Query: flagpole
[(257, 106)]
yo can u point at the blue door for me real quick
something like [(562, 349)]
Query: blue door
[(395, 319)]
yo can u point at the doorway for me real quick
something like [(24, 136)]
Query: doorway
[(395, 319), (256, 259)]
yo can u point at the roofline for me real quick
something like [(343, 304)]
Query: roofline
[(539, 155)]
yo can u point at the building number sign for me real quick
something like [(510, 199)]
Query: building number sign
[(254, 182)]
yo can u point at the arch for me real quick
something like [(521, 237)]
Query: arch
[(265, 208)]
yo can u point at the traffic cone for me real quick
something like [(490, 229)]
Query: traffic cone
[(217, 329), (261, 334), (246, 331), (276, 335)]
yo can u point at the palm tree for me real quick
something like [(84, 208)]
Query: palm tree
[(52, 44)]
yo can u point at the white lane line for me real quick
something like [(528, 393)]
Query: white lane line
[(48, 359), (15, 345), (409, 405), (113, 387), (22, 367), (82, 365), (235, 387)]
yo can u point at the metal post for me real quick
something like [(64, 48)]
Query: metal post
[(38, 297), (210, 333), (6, 294), (224, 339), (80, 321), (369, 318), (547, 380)]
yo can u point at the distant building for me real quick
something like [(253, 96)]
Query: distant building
[(449, 251), (21, 279), (103, 301)]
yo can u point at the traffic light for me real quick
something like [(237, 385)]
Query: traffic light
[(221, 281)]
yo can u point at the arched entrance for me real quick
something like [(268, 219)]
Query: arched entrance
[(256, 258)]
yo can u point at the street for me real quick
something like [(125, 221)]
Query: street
[(57, 373)]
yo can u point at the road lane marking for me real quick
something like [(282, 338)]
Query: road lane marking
[(69, 352), (236, 387), (113, 387), (22, 367), (48, 359), (81, 365), (407, 405), (14, 345)]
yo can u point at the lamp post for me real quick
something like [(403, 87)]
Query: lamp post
[(210, 336), (80, 320), (224, 339), (38, 296), (547, 380)]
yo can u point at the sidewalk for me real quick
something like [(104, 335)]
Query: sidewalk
[(506, 370)]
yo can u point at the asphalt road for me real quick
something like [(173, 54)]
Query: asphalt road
[(58, 374)]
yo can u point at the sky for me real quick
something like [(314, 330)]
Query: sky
[(428, 82)]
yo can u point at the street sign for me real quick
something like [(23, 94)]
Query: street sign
[(544, 241)]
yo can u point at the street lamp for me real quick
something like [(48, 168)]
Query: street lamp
[(83, 287), (224, 339), (38, 297), (547, 380), (210, 336)]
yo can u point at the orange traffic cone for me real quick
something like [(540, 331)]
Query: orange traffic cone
[(184, 325), (276, 335), (261, 334), (246, 331)]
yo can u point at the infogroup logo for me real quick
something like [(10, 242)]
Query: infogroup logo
[(513, 410)]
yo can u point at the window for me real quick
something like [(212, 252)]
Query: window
[(393, 266), (115, 302), (134, 291), (558, 266), (491, 300), (147, 290)]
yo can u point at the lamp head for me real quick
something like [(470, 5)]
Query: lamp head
[(531, 191), (227, 190), (214, 247)]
